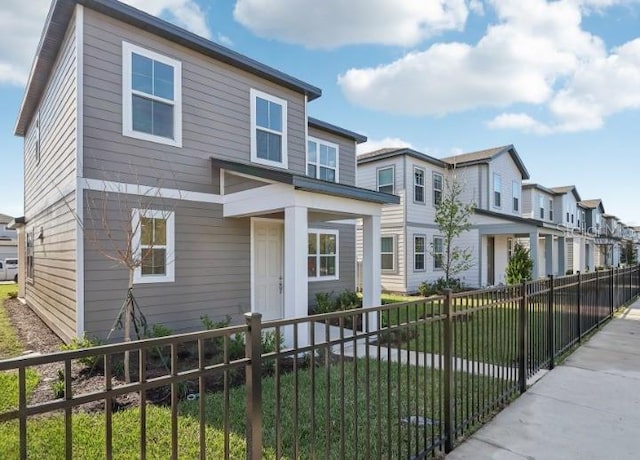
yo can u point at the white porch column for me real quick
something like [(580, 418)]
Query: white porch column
[(296, 287), (371, 283), (533, 252), (548, 254), (562, 256)]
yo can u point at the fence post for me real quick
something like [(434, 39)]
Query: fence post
[(612, 285), (598, 306), (253, 352), (579, 306), (551, 324), (449, 389), (523, 338)]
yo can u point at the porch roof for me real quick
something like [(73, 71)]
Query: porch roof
[(305, 183)]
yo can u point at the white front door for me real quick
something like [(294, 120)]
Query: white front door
[(268, 268)]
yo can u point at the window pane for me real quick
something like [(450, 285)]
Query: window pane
[(385, 176), (327, 244), (386, 189), (275, 116), (312, 149), (262, 112), (311, 171), (275, 148), (438, 245), (162, 80), (386, 262), (146, 231), (142, 114), (324, 155), (419, 177), (269, 146), (419, 262), (162, 119), (437, 197), (313, 244), (153, 261), (437, 261), (437, 182), (419, 243), (327, 174), (327, 266), (386, 244), (331, 157), (419, 193), (312, 270), (141, 73), (160, 234)]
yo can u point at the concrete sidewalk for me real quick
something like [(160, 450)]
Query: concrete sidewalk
[(587, 408)]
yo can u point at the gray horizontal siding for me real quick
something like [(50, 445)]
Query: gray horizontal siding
[(215, 108), (212, 266), (52, 294)]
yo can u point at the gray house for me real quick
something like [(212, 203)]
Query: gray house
[(142, 137), (8, 238)]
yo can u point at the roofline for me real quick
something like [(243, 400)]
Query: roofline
[(520, 220), (57, 23), (574, 190), (505, 149), (305, 183), (319, 124), (404, 151), (15, 223), (540, 187)]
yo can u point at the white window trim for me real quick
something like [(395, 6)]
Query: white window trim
[(541, 200), (393, 177), (128, 92), (515, 187), (317, 163), (434, 189), (499, 177), (424, 252), (424, 185), (318, 232), (393, 253), (169, 276), (253, 94), (437, 269)]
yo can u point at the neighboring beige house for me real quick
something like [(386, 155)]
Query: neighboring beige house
[(133, 125), (8, 238)]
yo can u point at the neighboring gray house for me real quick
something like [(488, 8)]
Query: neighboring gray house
[(207, 158), (492, 180), (8, 238)]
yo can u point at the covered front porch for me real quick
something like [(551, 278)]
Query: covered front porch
[(296, 227)]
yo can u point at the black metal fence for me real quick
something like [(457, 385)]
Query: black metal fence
[(405, 380)]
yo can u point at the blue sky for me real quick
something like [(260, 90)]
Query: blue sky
[(559, 80)]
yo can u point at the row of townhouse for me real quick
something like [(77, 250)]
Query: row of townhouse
[(564, 233), (140, 136)]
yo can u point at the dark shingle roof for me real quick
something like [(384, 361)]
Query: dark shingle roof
[(592, 204), (359, 138), (484, 156), (61, 13)]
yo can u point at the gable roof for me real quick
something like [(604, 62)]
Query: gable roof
[(542, 188), (566, 189), (485, 156), (60, 14), (391, 152), (592, 204)]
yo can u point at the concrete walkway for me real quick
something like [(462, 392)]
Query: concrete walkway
[(587, 408)]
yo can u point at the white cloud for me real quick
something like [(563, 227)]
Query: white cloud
[(477, 7), (224, 40), (334, 23), (21, 23), (376, 144), (537, 54)]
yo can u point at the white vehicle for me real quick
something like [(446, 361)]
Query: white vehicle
[(9, 270)]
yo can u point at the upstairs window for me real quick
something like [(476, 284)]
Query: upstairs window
[(152, 96), (268, 129), (497, 190), (541, 206), (386, 180), (515, 189), (438, 180), (418, 185), (551, 210), (322, 263), (322, 160), (153, 245)]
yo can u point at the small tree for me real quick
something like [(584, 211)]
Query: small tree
[(520, 266), (453, 218)]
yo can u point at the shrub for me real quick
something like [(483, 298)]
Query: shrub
[(159, 330), (58, 385), (92, 362), (214, 345), (520, 266), (347, 300), (324, 302), (209, 324), (12, 294), (427, 289)]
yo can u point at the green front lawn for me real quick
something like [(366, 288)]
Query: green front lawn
[(396, 392)]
